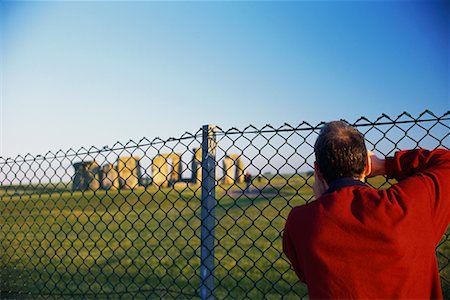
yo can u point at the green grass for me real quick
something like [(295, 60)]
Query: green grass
[(146, 243)]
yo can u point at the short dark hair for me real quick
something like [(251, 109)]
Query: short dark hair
[(340, 151)]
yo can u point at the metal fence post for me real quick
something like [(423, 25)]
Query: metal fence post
[(208, 212)]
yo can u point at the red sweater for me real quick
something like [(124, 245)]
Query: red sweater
[(359, 242)]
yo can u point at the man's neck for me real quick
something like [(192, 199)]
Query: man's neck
[(336, 184)]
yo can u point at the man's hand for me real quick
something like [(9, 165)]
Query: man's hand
[(376, 165)]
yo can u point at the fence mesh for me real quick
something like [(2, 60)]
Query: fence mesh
[(125, 220)]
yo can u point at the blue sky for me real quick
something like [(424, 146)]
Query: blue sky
[(92, 73)]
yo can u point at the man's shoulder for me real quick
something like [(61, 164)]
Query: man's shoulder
[(301, 212)]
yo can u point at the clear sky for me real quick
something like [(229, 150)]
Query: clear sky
[(92, 73)]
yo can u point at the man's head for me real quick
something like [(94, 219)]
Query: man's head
[(340, 152)]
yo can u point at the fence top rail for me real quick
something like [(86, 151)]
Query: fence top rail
[(384, 119), (144, 142), (426, 116)]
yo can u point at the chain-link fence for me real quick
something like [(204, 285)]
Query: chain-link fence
[(190, 217)]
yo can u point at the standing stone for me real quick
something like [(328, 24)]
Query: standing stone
[(86, 177), (93, 175), (239, 174), (160, 171), (110, 179), (175, 173), (78, 180), (129, 171), (197, 166), (228, 162), (228, 176)]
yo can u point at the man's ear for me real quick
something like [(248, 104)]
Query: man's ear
[(317, 171), (368, 168), (319, 186)]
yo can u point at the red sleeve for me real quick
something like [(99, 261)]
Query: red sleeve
[(290, 251), (433, 167)]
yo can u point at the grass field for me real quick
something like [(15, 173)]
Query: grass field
[(146, 243)]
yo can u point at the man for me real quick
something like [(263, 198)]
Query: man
[(358, 242), (248, 181)]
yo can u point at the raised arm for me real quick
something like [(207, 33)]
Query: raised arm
[(425, 169)]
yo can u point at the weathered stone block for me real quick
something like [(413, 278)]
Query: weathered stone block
[(110, 178), (160, 171), (86, 177), (129, 171)]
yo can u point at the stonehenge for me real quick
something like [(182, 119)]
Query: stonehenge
[(166, 170), (90, 176)]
